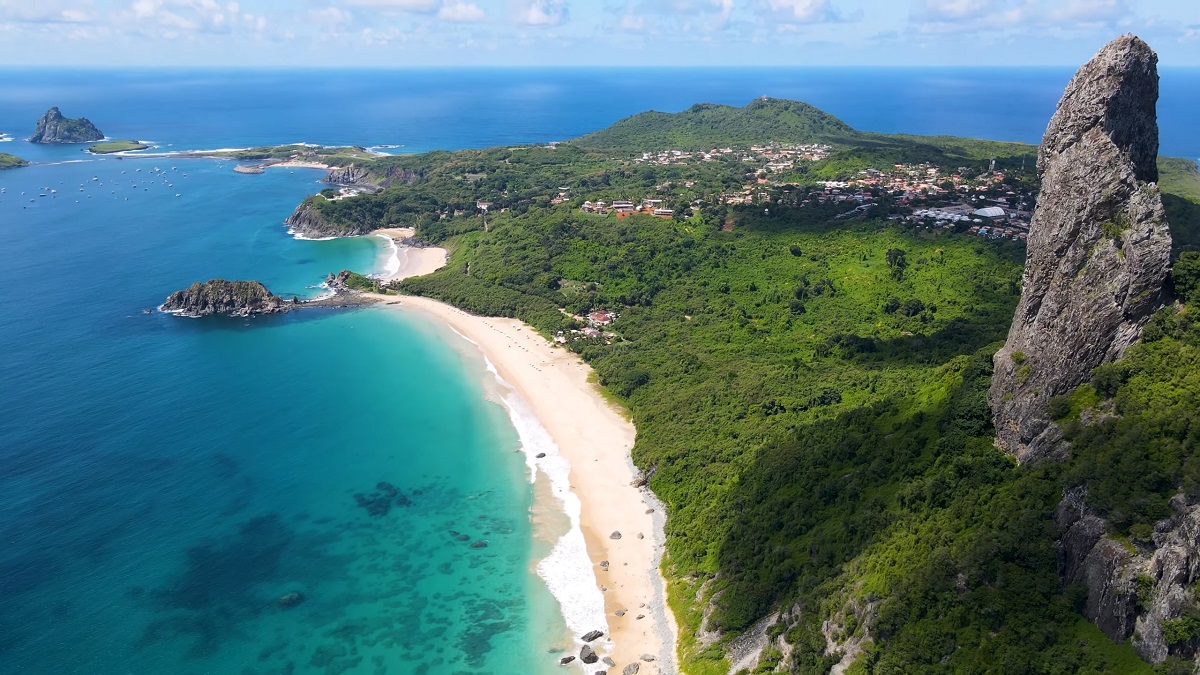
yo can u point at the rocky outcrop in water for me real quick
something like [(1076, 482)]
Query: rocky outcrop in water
[(243, 298), (1099, 247), (54, 128), (307, 221), (228, 298)]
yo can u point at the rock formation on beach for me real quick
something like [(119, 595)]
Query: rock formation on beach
[(229, 298), (54, 128), (1099, 248)]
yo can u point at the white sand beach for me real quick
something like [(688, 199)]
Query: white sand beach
[(415, 262), (595, 438)]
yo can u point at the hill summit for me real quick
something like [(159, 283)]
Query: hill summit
[(706, 125), (1099, 246)]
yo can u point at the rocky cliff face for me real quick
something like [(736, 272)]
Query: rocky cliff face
[(365, 178), (307, 221), (1133, 591), (230, 298), (1099, 247), (350, 176), (54, 128)]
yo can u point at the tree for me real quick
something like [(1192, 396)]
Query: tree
[(1186, 275)]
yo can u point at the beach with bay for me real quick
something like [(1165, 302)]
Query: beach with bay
[(604, 568)]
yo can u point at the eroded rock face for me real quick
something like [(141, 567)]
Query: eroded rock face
[(229, 298), (1131, 591), (1099, 247), (307, 221), (54, 128)]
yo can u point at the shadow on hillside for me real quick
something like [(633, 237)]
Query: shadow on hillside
[(959, 336)]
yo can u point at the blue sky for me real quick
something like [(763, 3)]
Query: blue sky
[(414, 33)]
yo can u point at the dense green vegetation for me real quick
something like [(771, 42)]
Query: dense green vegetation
[(705, 126), (811, 391), (116, 146), (8, 161)]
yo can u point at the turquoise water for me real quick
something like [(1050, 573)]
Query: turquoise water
[(163, 481), (166, 480)]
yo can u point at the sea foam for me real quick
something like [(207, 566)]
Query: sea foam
[(567, 571), (393, 264)]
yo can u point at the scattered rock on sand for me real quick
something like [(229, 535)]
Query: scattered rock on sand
[(631, 669), (649, 510), (588, 655), (609, 662), (540, 455), (591, 635), (615, 535), (619, 612), (641, 536), (647, 657), (567, 659), (641, 616)]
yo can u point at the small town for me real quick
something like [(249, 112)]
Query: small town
[(986, 204)]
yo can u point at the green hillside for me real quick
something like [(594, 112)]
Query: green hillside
[(810, 388), (8, 161), (706, 125)]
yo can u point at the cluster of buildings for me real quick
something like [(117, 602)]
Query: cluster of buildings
[(595, 321), (771, 156), (994, 222), (623, 209)]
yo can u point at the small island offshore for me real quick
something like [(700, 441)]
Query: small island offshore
[(54, 128), (8, 161)]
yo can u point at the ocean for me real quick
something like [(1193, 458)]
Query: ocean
[(300, 494)]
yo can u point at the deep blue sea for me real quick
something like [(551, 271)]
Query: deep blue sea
[(163, 481)]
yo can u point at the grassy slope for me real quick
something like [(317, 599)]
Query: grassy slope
[(835, 458), (8, 161), (116, 146), (1180, 183)]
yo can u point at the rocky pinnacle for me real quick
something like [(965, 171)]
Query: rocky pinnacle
[(1098, 249)]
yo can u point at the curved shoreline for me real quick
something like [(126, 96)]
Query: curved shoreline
[(594, 439)]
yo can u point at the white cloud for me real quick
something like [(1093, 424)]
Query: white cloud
[(46, 11), (541, 13), (179, 18), (417, 6), (632, 22), (463, 12), (330, 16), (1019, 16), (801, 11)]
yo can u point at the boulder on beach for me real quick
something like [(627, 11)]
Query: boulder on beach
[(588, 655), (591, 635)]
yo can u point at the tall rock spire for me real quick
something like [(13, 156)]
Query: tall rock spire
[(1099, 248)]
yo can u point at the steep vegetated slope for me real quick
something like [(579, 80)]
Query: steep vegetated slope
[(810, 388)]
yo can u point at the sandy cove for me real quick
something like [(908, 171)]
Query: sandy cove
[(595, 439), (415, 262)]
